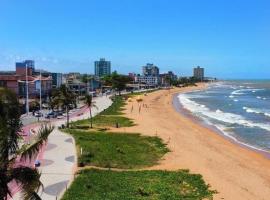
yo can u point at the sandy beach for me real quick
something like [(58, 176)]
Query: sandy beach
[(234, 171)]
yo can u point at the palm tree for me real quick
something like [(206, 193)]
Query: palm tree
[(26, 177), (64, 98), (90, 103)]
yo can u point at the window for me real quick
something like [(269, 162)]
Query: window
[(3, 83)]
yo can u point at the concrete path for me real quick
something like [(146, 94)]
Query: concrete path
[(59, 160)]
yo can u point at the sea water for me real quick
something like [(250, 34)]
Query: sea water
[(239, 109)]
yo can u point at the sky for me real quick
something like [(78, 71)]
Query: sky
[(229, 38)]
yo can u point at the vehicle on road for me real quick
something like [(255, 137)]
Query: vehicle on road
[(51, 115), (38, 114)]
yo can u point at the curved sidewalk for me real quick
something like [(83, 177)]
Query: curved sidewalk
[(59, 160)]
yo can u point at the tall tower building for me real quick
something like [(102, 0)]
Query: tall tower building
[(150, 70), (21, 67), (198, 73), (102, 67)]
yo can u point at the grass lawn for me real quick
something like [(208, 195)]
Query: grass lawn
[(116, 108), (141, 93), (105, 121), (138, 185), (118, 150)]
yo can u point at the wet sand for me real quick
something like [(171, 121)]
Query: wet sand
[(234, 171)]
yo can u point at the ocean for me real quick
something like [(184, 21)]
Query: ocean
[(240, 110)]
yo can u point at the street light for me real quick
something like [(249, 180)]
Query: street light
[(26, 85), (40, 100)]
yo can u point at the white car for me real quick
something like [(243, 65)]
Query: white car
[(38, 114)]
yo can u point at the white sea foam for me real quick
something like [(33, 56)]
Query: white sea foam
[(230, 135), (236, 100), (243, 91), (231, 96), (237, 92), (257, 111), (229, 118)]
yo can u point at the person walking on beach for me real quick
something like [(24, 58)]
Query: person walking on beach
[(131, 109)]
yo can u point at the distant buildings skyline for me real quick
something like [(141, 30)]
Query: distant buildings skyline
[(232, 41), (103, 67)]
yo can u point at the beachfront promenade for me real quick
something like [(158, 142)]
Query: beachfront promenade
[(58, 158)]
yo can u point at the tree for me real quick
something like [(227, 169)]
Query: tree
[(65, 99), (117, 81), (90, 103), (27, 178), (168, 80)]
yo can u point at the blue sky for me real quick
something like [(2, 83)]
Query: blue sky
[(230, 38)]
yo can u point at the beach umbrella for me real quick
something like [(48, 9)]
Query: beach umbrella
[(129, 99)]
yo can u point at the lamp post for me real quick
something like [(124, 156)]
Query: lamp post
[(26, 85), (40, 100)]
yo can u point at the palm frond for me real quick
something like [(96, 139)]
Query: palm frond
[(4, 189), (34, 196), (29, 181), (94, 106), (29, 151)]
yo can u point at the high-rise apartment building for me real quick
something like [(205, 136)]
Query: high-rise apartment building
[(102, 67), (198, 73), (150, 70), (22, 66)]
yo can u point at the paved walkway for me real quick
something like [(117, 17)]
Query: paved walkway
[(59, 159)]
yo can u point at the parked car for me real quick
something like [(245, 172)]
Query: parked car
[(38, 114), (51, 115), (59, 113)]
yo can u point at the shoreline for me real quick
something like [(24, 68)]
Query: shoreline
[(188, 114), (236, 172)]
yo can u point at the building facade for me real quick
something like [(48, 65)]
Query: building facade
[(25, 73), (198, 73), (147, 80), (57, 80), (167, 78), (102, 67), (150, 70), (28, 65)]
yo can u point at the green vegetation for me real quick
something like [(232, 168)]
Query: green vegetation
[(118, 150), (116, 108), (63, 98), (141, 93), (90, 103), (117, 81), (138, 185), (108, 118), (28, 178), (104, 121)]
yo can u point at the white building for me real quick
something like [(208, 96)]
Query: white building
[(148, 80)]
